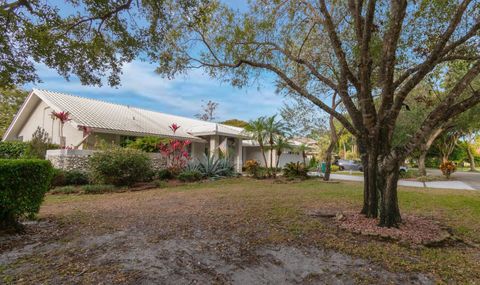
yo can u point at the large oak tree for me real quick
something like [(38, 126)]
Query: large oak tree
[(371, 53)]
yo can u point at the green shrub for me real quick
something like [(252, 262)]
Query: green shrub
[(190, 176), (39, 144), (262, 173), (146, 144), (23, 184), (120, 166), (160, 183), (13, 149), (76, 177), (58, 178), (251, 167), (295, 170), (65, 190), (72, 177), (98, 188), (212, 167), (165, 174), (334, 168)]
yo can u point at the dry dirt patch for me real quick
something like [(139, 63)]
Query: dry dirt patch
[(229, 233)]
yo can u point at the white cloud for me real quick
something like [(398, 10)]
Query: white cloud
[(141, 86)]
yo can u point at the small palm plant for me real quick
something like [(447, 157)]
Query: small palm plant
[(273, 129), (281, 143), (256, 128)]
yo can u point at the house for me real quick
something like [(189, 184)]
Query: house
[(94, 121)]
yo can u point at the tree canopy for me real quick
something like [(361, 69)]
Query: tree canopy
[(89, 39), (10, 102), (373, 54)]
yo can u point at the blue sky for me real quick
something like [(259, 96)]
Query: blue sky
[(141, 87)]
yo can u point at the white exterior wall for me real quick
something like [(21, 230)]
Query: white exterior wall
[(254, 153), (40, 117), (198, 150), (287, 158)]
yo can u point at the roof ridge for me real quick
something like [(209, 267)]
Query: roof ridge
[(130, 107)]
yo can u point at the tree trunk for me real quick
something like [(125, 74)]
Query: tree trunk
[(471, 158), (422, 170), (424, 150), (370, 197), (387, 182), (328, 160)]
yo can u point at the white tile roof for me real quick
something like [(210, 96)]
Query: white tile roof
[(120, 118)]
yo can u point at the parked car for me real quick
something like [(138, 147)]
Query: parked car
[(345, 164)]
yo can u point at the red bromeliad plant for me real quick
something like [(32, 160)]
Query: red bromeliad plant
[(63, 117), (176, 152)]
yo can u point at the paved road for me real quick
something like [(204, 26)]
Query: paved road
[(470, 178)]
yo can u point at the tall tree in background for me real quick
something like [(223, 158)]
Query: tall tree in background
[(302, 118), (208, 111), (381, 51), (235, 123), (10, 102)]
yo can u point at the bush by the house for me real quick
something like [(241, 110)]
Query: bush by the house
[(72, 177), (146, 144), (448, 168), (165, 174), (98, 188), (190, 176), (295, 170), (23, 184), (213, 167), (334, 168), (251, 167), (65, 190), (13, 149), (58, 179), (160, 183), (39, 144), (76, 177), (120, 166)]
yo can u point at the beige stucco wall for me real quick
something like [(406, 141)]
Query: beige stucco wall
[(40, 117), (255, 153)]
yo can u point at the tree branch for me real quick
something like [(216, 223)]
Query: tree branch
[(446, 109), (428, 65)]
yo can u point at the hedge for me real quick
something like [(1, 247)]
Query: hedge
[(120, 167), (13, 149), (23, 184)]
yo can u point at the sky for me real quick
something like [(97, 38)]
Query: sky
[(184, 95)]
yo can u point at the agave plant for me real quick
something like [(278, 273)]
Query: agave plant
[(213, 167)]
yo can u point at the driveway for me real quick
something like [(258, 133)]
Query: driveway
[(459, 181), (470, 178)]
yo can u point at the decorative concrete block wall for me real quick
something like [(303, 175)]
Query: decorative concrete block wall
[(77, 159), (70, 159)]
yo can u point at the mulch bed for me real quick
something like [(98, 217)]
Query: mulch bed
[(413, 229)]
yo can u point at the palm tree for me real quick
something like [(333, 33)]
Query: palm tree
[(273, 129), (256, 128), (303, 150), (281, 143)]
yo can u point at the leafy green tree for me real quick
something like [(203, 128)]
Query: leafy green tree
[(235, 123), (10, 102), (371, 53), (89, 39)]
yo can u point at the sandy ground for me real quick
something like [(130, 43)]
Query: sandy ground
[(161, 237)]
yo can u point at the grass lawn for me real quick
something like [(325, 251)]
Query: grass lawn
[(239, 231)]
